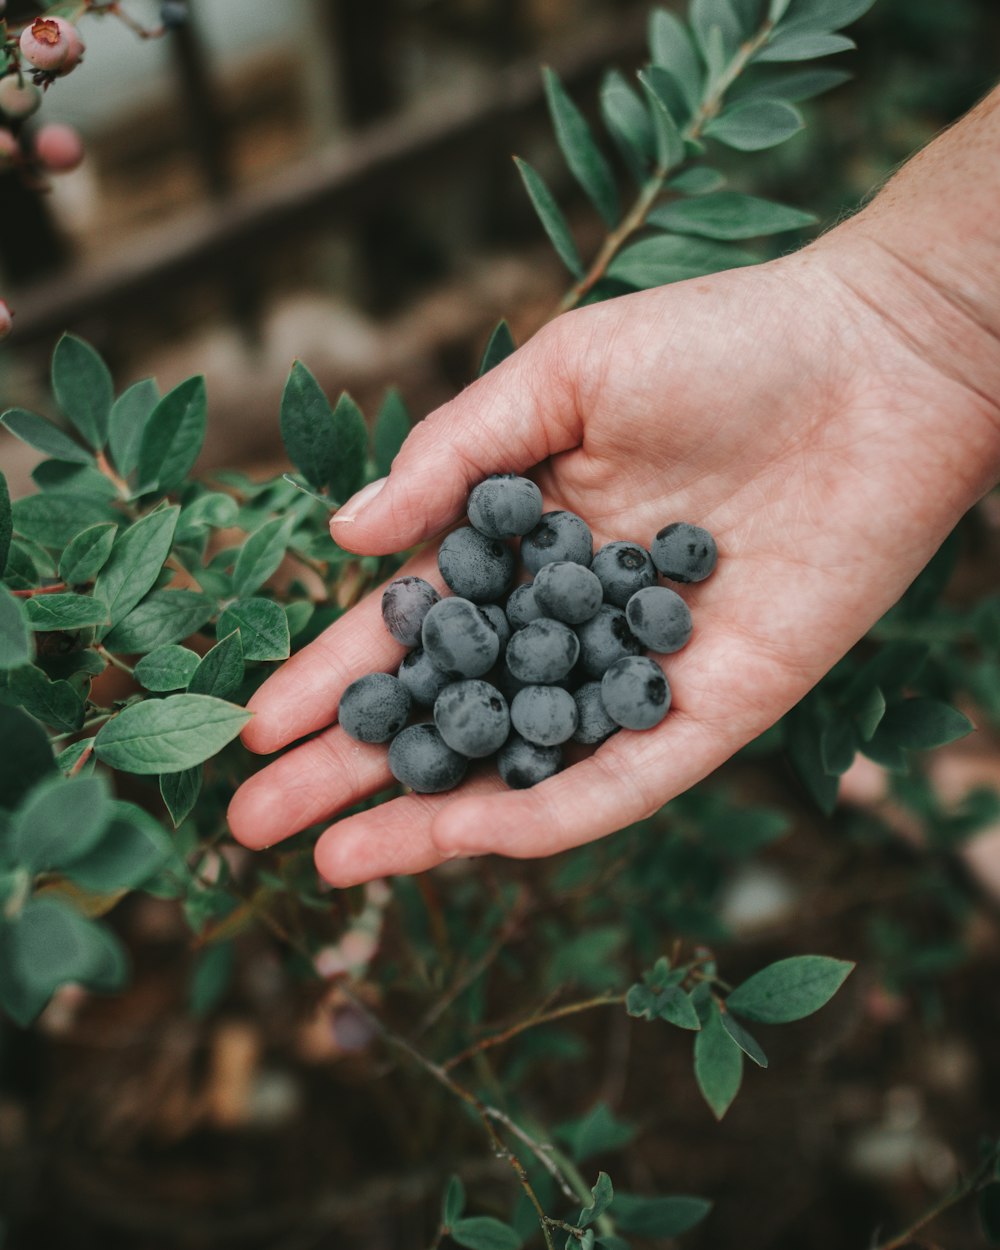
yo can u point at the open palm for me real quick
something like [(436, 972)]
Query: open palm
[(772, 406)]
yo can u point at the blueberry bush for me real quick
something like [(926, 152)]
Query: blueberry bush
[(141, 606)]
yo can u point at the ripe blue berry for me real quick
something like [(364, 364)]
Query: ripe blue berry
[(496, 616), (473, 718), (543, 652), (545, 715), (421, 759), (505, 505), (635, 692), (623, 568), (523, 764), (459, 638), (684, 553), (593, 724), (421, 677), (522, 606), (374, 707), (405, 603), (659, 618), (604, 639), (567, 592), (476, 567), (558, 536)]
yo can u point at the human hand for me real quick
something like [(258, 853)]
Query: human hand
[(799, 410)]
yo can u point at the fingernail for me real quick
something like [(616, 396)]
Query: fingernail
[(354, 506)]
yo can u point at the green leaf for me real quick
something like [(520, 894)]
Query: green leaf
[(659, 1217), (744, 1039), (54, 518), (752, 125), (628, 123), (44, 437), (804, 739), (706, 14), (921, 725), (180, 792), (263, 628), (167, 668), (673, 258), (803, 46), (698, 180), (671, 46), (130, 415), (989, 1212), (728, 215), (56, 703), (869, 713), (83, 388), (584, 158), (501, 345), (173, 437), (603, 1195), (483, 1232), (74, 479), (392, 425), (6, 523), (838, 745), (351, 440), (453, 1203), (87, 554), (133, 849), (135, 562), (220, 672), (551, 218), (163, 617), (794, 85), (67, 760), (307, 427), (60, 821), (776, 10), (167, 735), (894, 666), (65, 611), (597, 1132), (666, 135), (718, 1064), (824, 14), (26, 757), (212, 975), (51, 943), (789, 989), (669, 1003), (261, 554), (212, 510), (16, 644)]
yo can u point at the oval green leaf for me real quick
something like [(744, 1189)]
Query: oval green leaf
[(167, 735)]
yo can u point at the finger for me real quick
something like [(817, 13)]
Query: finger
[(521, 412), (309, 784), (302, 696), (392, 839)]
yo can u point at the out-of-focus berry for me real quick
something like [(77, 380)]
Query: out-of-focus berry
[(59, 148), (9, 149), (18, 97), (6, 319), (51, 44)]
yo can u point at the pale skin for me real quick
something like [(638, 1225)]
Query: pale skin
[(828, 417)]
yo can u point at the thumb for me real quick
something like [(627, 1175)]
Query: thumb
[(519, 413)]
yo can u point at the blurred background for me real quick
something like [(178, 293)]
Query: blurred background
[(332, 179)]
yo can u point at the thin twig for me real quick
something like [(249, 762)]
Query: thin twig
[(961, 1191), (55, 589), (541, 1150), (557, 1013)]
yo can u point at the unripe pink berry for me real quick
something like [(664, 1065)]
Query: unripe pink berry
[(59, 148), (10, 149), (6, 319), (18, 98), (50, 43)]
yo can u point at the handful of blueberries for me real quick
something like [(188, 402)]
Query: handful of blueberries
[(559, 661)]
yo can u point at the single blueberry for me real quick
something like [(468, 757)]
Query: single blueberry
[(659, 618), (422, 678), (496, 616), (421, 759), (522, 764), (635, 692), (374, 707), (505, 505), (543, 652), (522, 606), (623, 568), (594, 724), (475, 567), (545, 715), (604, 639), (568, 592), (459, 638), (405, 603), (684, 552), (557, 536), (473, 718)]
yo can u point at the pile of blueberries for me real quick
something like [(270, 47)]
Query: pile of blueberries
[(559, 661)]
